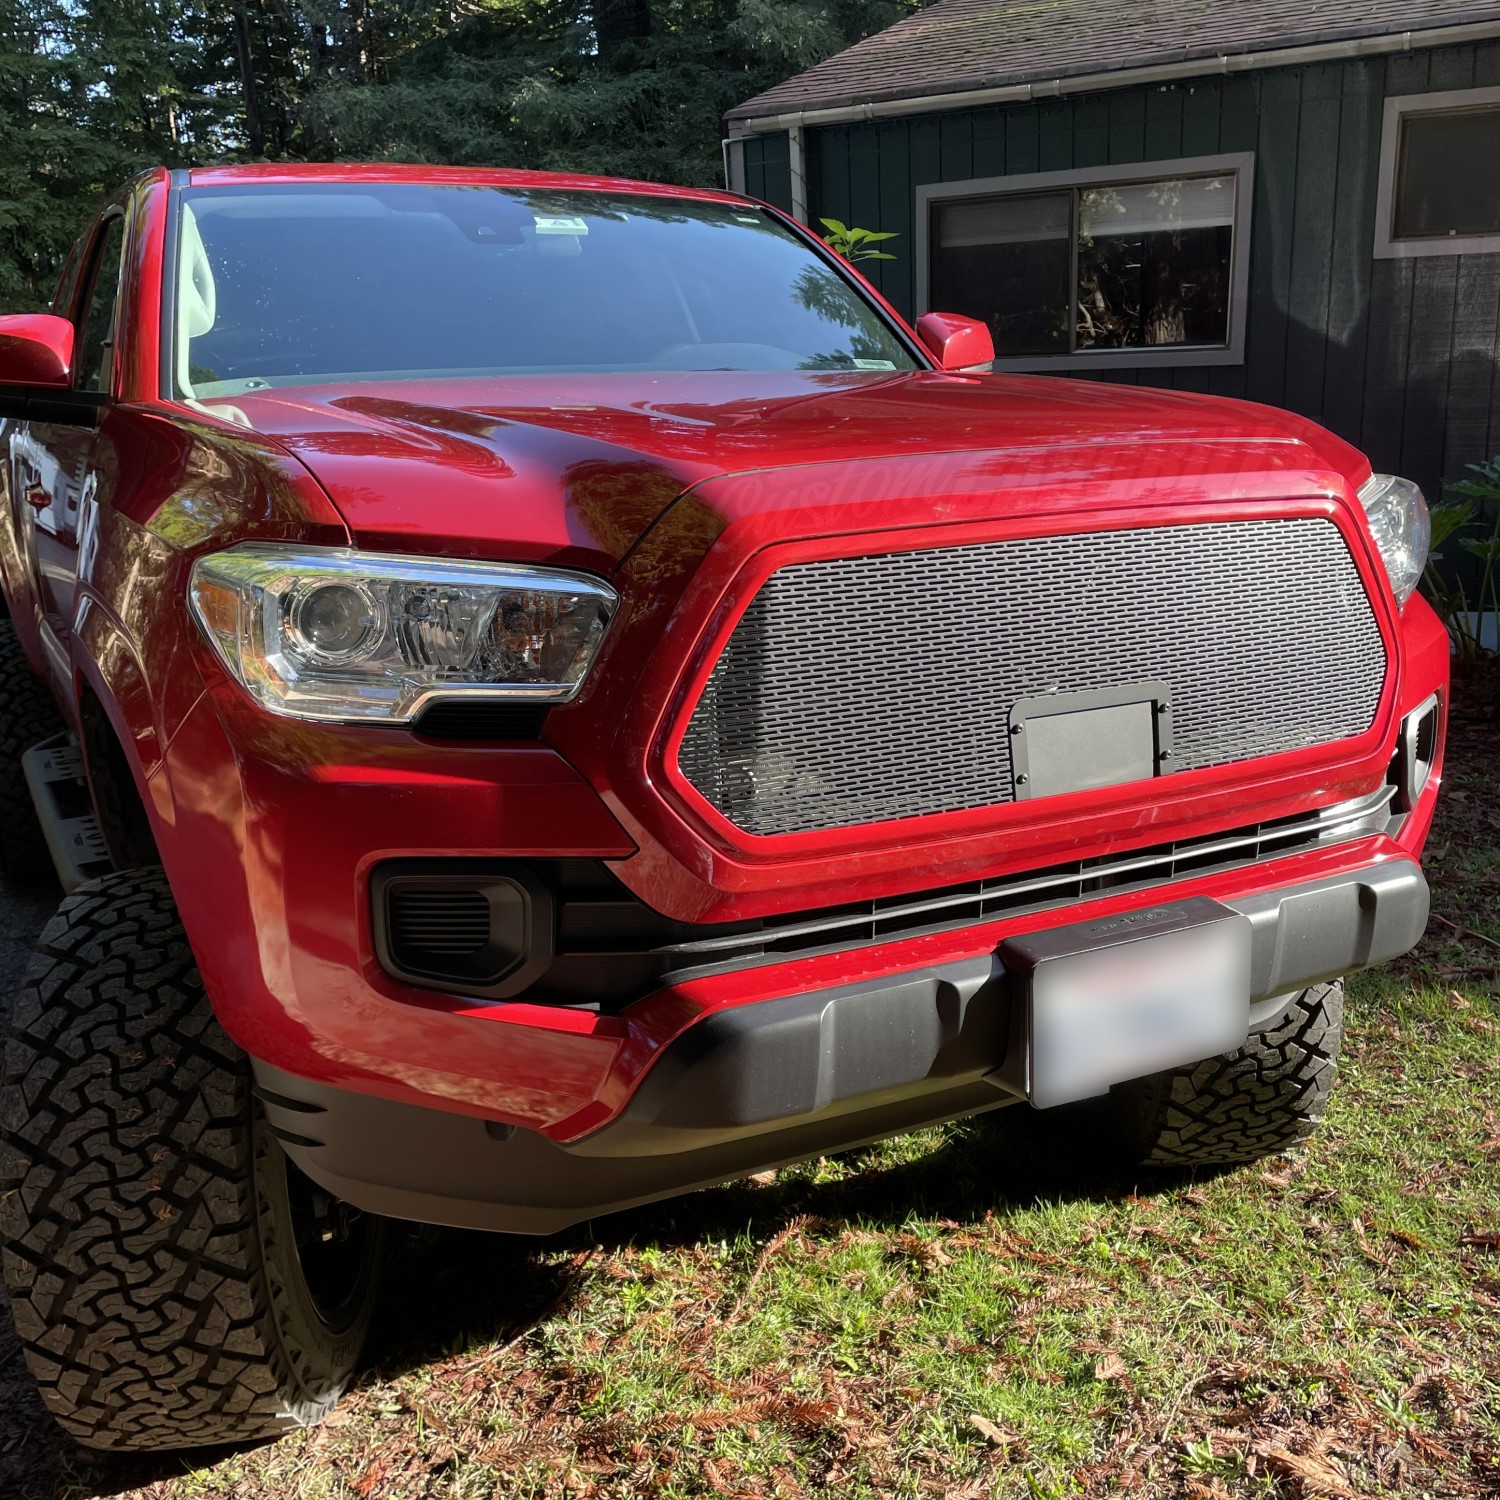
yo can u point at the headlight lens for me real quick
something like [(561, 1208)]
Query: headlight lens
[(1398, 518), (329, 633)]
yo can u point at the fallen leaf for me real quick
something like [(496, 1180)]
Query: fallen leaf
[(997, 1436), (1430, 1448), (369, 1482), (1213, 1489), (1485, 1239), (1315, 1476), (1109, 1367), (927, 1253)]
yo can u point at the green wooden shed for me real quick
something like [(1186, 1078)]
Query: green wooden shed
[(1296, 203)]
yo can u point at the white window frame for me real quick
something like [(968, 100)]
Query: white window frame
[(1239, 164), (1396, 108)]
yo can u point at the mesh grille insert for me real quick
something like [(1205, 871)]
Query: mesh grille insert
[(863, 689)]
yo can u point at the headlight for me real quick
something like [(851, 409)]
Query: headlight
[(1398, 518), (329, 633)]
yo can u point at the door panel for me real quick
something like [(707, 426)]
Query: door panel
[(22, 466), (54, 467)]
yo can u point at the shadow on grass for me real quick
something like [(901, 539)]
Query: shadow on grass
[(451, 1291)]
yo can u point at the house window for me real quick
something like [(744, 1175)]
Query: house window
[(1439, 174), (1117, 266)]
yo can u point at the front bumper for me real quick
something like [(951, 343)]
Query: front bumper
[(272, 833), (797, 1075)]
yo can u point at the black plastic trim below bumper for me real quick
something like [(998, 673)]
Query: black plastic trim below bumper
[(761, 1085)]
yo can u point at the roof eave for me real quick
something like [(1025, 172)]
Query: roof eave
[(850, 108)]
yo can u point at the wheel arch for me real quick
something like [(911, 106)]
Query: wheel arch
[(120, 741)]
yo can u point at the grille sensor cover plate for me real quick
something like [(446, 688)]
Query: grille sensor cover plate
[(873, 688), (1072, 742)]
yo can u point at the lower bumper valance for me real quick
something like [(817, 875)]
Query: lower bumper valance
[(754, 1086)]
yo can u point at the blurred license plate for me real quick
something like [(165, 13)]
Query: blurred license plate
[(1126, 996)]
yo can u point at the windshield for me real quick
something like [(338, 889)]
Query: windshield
[(322, 282)]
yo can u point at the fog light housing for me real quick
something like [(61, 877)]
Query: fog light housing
[(1417, 751), (462, 925)]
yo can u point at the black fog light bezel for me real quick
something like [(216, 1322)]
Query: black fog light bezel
[(521, 926), (1417, 747)]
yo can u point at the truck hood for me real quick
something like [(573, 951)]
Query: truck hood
[(574, 469)]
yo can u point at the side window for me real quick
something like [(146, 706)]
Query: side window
[(97, 325), (1439, 175), (1132, 267), (67, 283)]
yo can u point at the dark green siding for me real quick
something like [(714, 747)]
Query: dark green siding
[(1397, 356), (768, 170)]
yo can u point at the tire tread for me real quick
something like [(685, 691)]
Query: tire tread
[(1256, 1101), (128, 1189)]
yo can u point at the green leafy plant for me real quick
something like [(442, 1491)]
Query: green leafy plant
[(1201, 1458), (855, 244), (1464, 616)]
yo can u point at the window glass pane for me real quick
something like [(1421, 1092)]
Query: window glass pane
[(1448, 176), (96, 345), (330, 282), (1008, 261), (1154, 263), (67, 282)]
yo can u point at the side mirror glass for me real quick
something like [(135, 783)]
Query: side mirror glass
[(36, 351), (956, 342)]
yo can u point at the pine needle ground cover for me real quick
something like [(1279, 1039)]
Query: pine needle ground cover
[(976, 1310)]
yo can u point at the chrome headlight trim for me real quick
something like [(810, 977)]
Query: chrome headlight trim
[(398, 632)]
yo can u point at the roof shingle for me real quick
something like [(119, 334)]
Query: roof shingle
[(958, 45)]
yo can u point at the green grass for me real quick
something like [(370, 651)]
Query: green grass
[(840, 1329), (981, 1310)]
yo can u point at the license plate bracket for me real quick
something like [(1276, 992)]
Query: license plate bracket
[(1076, 742), (1098, 1003)]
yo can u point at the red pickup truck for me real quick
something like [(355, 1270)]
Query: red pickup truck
[(546, 693)]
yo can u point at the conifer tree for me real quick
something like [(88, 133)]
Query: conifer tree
[(92, 91)]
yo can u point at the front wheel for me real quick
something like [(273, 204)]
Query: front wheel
[(1253, 1102), (175, 1280)]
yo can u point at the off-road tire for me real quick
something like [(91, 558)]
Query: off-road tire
[(1247, 1104), (27, 716), (144, 1206)]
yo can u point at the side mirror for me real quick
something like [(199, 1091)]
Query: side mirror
[(36, 350), (955, 342)]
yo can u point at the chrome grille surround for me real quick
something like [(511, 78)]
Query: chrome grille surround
[(612, 950), (873, 688), (984, 900)]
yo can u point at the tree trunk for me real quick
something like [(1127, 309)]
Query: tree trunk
[(254, 131)]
